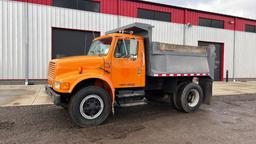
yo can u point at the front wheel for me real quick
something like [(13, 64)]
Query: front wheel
[(90, 106)]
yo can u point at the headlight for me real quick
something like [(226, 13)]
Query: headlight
[(57, 85)]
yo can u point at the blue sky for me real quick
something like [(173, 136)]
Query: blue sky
[(242, 8)]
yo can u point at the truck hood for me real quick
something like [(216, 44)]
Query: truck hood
[(75, 64)]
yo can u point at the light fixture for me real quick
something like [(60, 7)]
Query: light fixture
[(231, 22), (189, 25)]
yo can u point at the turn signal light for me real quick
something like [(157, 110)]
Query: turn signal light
[(65, 86)]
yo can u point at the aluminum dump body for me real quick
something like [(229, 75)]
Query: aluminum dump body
[(179, 59), (164, 59)]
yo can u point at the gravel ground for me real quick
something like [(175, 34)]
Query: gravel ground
[(229, 120)]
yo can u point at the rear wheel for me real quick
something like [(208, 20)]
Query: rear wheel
[(175, 97), (190, 97), (90, 106)]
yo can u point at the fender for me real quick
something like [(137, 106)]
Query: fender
[(85, 76)]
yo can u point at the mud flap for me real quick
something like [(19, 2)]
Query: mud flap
[(206, 85)]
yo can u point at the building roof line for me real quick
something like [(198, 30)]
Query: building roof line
[(191, 9)]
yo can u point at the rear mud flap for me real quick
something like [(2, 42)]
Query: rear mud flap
[(206, 85)]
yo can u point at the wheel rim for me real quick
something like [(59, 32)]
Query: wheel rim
[(91, 106), (193, 97)]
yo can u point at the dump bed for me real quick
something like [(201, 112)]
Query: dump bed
[(164, 59), (179, 60)]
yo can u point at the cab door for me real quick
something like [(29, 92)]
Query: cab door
[(128, 68)]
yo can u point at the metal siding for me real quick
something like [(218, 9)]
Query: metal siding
[(129, 8), (43, 2), (193, 18), (11, 43), (5, 46), (109, 6), (245, 55), (1, 39), (43, 18), (240, 24), (162, 32)]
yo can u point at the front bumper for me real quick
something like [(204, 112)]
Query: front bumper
[(53, 95)]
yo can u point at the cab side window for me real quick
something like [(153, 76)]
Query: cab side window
[(126, 48)]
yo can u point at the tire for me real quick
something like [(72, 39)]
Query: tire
[(64, 102), (175, 98), (64, 106), (64, 99), (90, 106), (190, 97)]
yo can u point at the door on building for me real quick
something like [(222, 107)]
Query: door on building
[(218, 70), (67, 42)]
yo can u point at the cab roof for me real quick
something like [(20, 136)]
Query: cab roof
[(120, 35)]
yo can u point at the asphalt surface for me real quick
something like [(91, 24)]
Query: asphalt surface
[(229, 120)]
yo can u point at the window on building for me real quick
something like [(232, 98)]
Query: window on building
[(87, 5), (65, 3), (250, 28), (154, 15), (71, 42), (211, 23)]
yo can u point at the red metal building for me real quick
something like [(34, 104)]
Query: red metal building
[(52, 22)]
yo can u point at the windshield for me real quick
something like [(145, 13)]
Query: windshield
[(100, 47)]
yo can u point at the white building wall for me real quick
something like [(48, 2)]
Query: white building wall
[(42, 18), (11, 41), (162, 32), (245, 59), (41, 21)]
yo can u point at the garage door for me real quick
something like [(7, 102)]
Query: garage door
[(71, 42), (218, 60)]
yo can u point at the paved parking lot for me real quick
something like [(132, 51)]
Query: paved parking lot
[(26, 116), (229, 120)]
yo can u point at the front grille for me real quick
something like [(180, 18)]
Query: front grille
[(51, 70)]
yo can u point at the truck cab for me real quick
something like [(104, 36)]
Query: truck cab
[(114, 72)]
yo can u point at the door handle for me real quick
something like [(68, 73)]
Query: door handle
[(143, 59), (139, 71)]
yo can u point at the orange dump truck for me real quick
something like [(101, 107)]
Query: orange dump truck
[(124, 68)]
